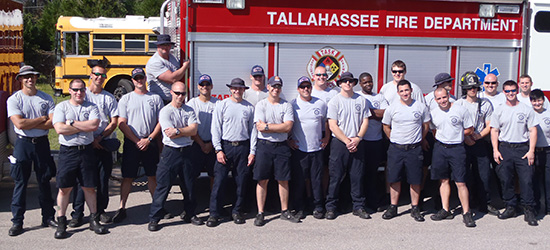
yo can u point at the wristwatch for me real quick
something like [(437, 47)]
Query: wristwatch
[(69, 122), (266, 127), (150, 138), (178, 131), (217, 151)]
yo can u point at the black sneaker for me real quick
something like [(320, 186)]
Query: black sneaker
[(300, 214), (415, 213), (212, 221), (15, 229), (318, 214), (260, 220), (104, 218), (361, 213), (492, 210), (153, 226), (76, 222), (442, 215), (509, 212), (49, 223), (287, 215), (390, 212), (195, 220), (468, 219), (330, 215), (120, 215), (238, 218), (529, 216)]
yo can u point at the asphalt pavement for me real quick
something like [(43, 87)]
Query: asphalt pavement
[(345, 232)]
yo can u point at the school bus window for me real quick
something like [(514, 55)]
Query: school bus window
[(107, 43), (57, 48), (135, 43), (83, 43), (152, 41), (70, 45), (542, 21)]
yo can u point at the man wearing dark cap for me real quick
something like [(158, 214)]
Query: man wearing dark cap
[(274, 119), (163, 69), (257, 90), (204, 105), (31, 112), (478, 159), (234, 141), (348, 119), (442, 80), (138, 121), (307, 143)]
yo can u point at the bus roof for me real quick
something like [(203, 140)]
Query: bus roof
[(129, 24)]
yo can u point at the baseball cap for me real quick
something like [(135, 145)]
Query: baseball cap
[(275, 80), (237, 83), (138, 72), (303, 79), (205, 79), (442, 78), (27, 70), (257, 70)]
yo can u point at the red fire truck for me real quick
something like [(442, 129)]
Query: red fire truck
[(289, 38)]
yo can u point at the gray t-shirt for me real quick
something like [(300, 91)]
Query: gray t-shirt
[(349, 112), (543, 129), (374, 101), (480, 112), (309, 118), (513, 122), (108, 107), (253, 96), (172, 117), (450, 124), (154, 68), (495, 100), (324, 95), (30, 107), (406, 121), (527, 101), (141, 111), (389, 91), (85, 112), (233, 121), (431, 103), (204, 110), (273, 113)]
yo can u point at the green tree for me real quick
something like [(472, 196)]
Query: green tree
[(148, 8)]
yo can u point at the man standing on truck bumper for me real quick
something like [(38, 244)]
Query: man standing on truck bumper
[(163, 69)]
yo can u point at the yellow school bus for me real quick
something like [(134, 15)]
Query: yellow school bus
[(124, 43)]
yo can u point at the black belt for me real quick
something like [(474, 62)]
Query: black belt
[(406, 146), (79, 147), (235, 143), (513, 145), (177, 149), (33, 140), (445, 145), (541, 149), (271, 143)]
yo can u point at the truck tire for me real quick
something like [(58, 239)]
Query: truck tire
[(124, 86)]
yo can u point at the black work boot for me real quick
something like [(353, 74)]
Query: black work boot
[(96, 226), (529, 216), (61, 231)]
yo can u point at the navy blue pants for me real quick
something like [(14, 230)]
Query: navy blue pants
[(541, 180), (307, 166), (174, 162), (374, 154), (341, 163), (237, 160), (104, 168), (26, 152), (505, 170), (478, 163)]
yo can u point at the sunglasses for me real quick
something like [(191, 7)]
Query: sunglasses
[(79, 89), (511, 90), (27, 76), (398, 71), (179, 93), (137, 78), (321, 74), (100, 74), (307, 86), (491, 82), (368, 82)]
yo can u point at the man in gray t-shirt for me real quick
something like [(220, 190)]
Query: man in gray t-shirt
[(514, 137), (178, 123), (31, 112), (75, 120), (163, 69), (138, 121), (348, 119)]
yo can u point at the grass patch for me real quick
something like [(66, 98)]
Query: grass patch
[(52, 135)]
